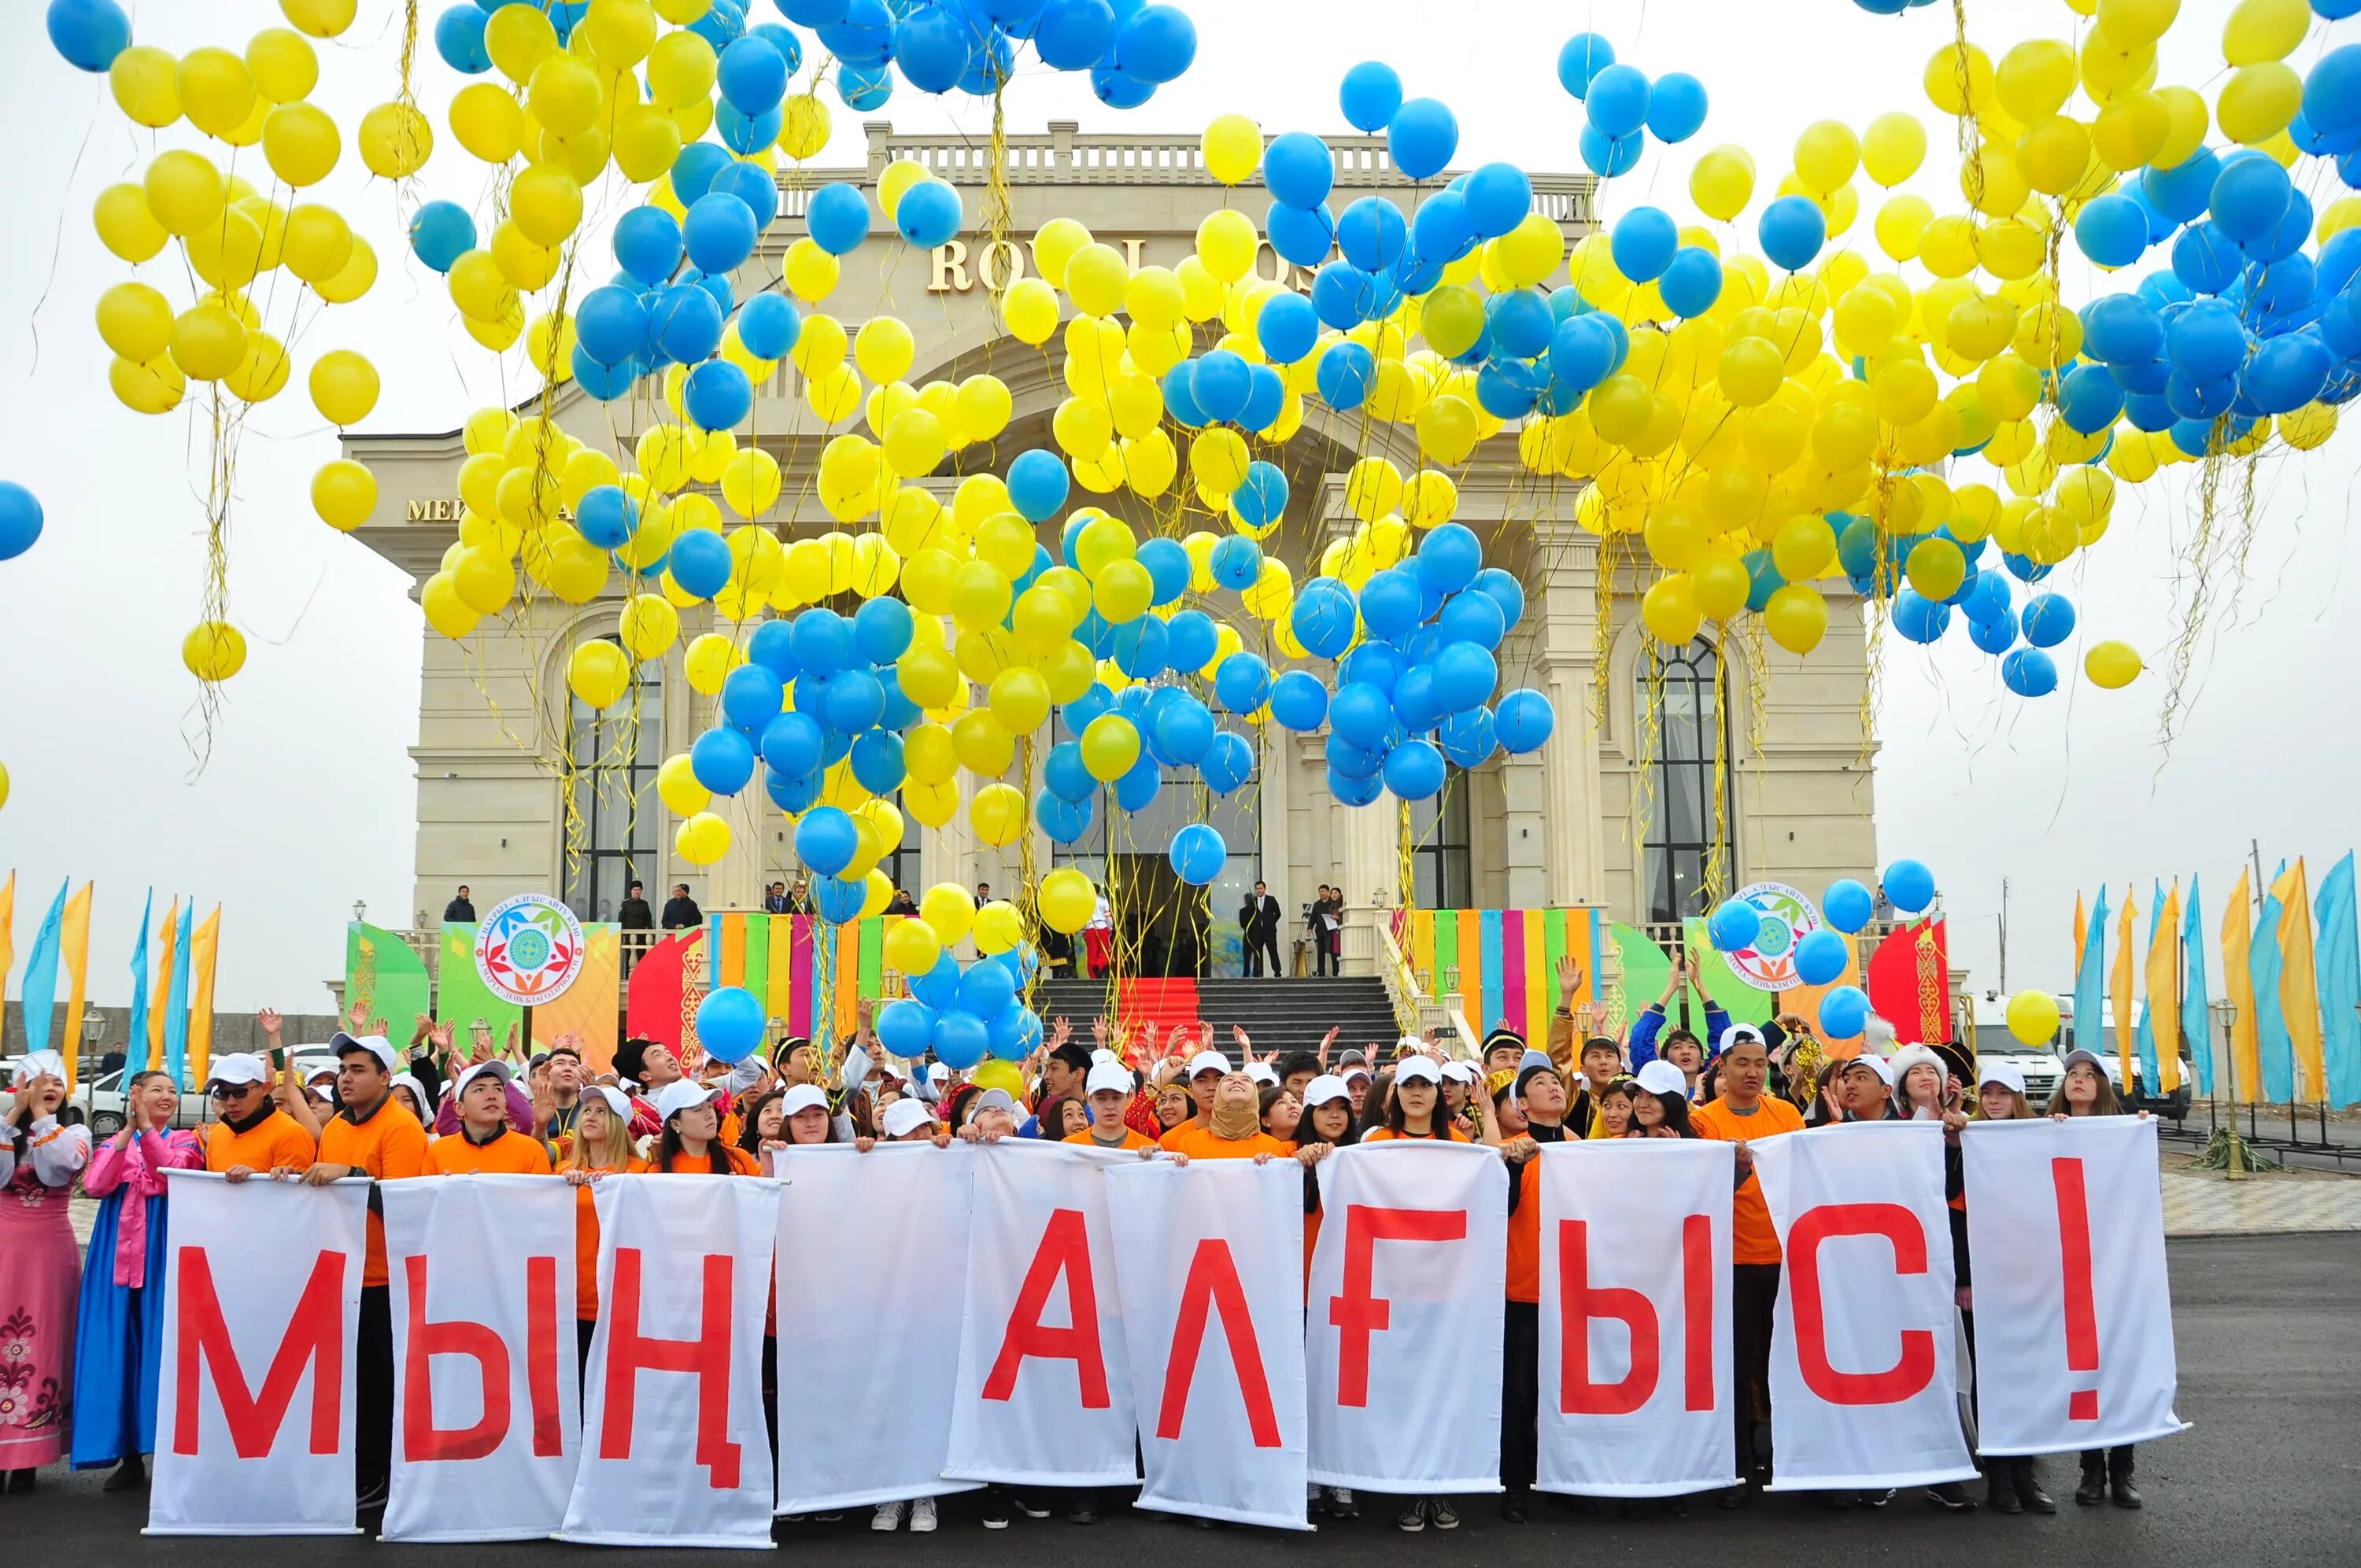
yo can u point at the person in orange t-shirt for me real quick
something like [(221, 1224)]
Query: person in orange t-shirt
[(254, 1137), (1416, 1111), (1744, 1115), (1233, 1129), (1109, 1091), (375, 1137), (602, 1147), (1206, 1070), (691, 1143), (484, 1143)]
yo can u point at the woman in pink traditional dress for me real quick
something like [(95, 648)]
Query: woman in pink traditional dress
[(40, 1270), (119, 1342)]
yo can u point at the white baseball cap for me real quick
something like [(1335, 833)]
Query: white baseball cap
[(1108, 1075), (238, 1067), (802, 1097), (1737, 1032), (376, 1045), (1262, 1072), (1461, 1071), (1208, 1061), (1875, 1064), (499, 1069), (318, 1073), (992, 1100), (904, 1117), (1102, 1056), (1660, 1078), (679, 1095), (2007, 1074), (619, 1103), (1324, 1089), (1417, 1070)]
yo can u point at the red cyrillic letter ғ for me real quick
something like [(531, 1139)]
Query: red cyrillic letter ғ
[(706, 1357), (315, 1334), (1915, 1367), (1212, 1285), (1358, 1312), (1065, 1250)]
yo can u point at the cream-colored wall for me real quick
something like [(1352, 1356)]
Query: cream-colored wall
[(1552, 828)]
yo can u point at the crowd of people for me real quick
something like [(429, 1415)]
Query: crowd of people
[(80, 1338)]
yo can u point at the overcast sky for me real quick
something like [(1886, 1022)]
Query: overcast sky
[(303, 803)]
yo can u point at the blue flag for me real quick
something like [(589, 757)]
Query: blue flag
[(2090, 984), (2277, 1049), (135, 1048), (2339, 956), (2196, 1012), (176, 1004), (39, 992)]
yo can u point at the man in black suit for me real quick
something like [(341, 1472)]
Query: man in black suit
[(633, 914), (775, 900), (1260, 916), (680, 911)]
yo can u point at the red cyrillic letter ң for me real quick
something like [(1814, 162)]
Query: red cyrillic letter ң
[(1065, 1250), (706, 1357), (315, 1334), (1212, 1285), (1915, 1368), (1358, 1312)]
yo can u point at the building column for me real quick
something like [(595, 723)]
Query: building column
[(1556, 796)]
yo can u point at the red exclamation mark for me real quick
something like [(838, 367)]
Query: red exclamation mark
[(2081, 1315)]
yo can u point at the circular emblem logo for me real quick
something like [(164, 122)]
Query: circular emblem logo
[(1788, 916), (529, 949)]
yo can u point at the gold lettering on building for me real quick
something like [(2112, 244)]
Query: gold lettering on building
[(435, 509), (951, 268)]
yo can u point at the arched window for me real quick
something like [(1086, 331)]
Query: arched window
[(1691, 738), (616, 751), (1442, 876)]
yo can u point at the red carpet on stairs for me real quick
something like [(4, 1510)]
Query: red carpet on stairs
[(1166, 1003)]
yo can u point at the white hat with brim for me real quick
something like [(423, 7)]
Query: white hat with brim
[(905, 1116), (2007, 1074), (618, 1103), (1324, 1089), (238, 1067), (1262, 1072), (499, 1069), (1208, 1061), (1417, 1070), (993, 1099), (1462, 1071), (1735, 1033), (1875, 1064), (679, 1095), (1660, 1078), (802, 1097), (1108, 1075), (377, 1046)]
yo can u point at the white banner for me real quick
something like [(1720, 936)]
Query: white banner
[(1044, 1388), (487, 1410), (2073, 1313), (1635, 1393), (901, 1210), (1210, 1260), (1863, 1355), (673, 1450), (254, 1408), (1402, 1354)]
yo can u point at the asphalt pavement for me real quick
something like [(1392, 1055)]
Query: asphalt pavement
[(2270, 1473)]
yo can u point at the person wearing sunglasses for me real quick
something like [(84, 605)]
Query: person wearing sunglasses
[(253, 1136)]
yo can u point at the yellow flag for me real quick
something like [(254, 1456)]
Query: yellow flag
[(162, 1002), (2164, 992), (7, 940), (2299, 988), (73, 944), (2081, 933), (2119, 988), (204, 945), (2238, 981)]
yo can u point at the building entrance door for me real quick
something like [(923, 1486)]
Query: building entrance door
[(1162, 918)]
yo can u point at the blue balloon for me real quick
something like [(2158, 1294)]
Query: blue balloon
[(1733, 926), (610, 324), (1261, 498), (1221, 384), (856, 699), (1302, 235), (1497, 198), (1064, 821), (929, 215), (1297, 701), (773, 646), (1063, 774), (89, 34), (647, 245), (2089, 398), (1469, 739), (1820, 956), (960, 1039), (1389, 601), (905, 1028), (442, 233), (1371, 233), (1584, 56), (2184, 191), (2030, 672), (1610, 158), (1422, 137), (1691, 282), (1470, 617), (876, 758), (2047, 620), (1581, 352), (1414, 771), (722, 760), (1677, 107), (1361, 714), (1344, 376), (1323, 618), (1848, 905), (2332, 93), (1617, 103), (1443, 230), (1522, 721), (1642, 243), (752, 75), (1842, 1011), (1037, 485), (1137, 789), (880, 630), (2206, 341), (1909, 886), (604, 382), (1519, 322), (730, 1020), (1072, 35), (1198, 854), (822, 641), (1349, 790), (20, 517), (1369, 97), (1463, 676), (1504, 591), (1448, 558), (825, 839), (1288, 327), (1156, 44), (686, 323), (750, 698), (1298, 169), (930, 45), (2121, 329), (2249, 195), (865, 34), (1920, 620), (1229, 764), (863, 87), (1994, 634), (459, 36), (2112, 230), (793, 744), (1342, 294), (700, 563), (838, 218), (1236, 562), (1792, 232), (1014, 1033), (1194, 638), (939, 987), (1167, 569), (607, 516), (717, 395), (1185, 731), (1242, 682), (2288, 372), (694, 170), (1179, 394)]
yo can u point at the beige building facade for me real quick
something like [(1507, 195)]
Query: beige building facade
[(1620, 809)]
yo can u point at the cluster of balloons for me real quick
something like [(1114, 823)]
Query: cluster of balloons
[(1822, 955), (227, 238), (961, 1013), (1622, 108)]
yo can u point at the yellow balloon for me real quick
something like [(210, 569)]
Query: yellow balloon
[(135, 320), (912, 947), (1066, 900), (1226, 242), (344, 493), (155, 388), (146, 82), (208, 341), (1796, 617), (804, 128), (884, 349), (319, 245), (2258, 102), (677, 787), (1029, 310), (1722, 182), (124, 224), (2264, 30), (445, 611), (184, 191), (2112, 665), (598, 672), (214, 650), (1095, 277), (545, 202), (1825, 155), (2033, 1017), (704, 838), (1110, 747), (396, 140), (1054, 245), (216, 90), (1670, 612), (1528, 253), (1891, 148), (321, 18), (343, 387), (2034, 79), (1233, 148), (948, 910), (997, 814)]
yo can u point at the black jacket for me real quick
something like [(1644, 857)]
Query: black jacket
[(633, 915), (680, 913), (1259, 915), (458, 909)]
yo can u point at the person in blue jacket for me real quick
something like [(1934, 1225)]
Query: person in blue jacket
[(1647, 1029)]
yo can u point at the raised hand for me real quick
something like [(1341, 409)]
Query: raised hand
[(270, 1023), (1569, 980)]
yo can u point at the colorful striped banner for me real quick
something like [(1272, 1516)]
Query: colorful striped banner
[(1503, 962), (811, 975)]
